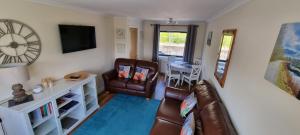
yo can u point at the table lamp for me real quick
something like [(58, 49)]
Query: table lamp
[(12, 75)]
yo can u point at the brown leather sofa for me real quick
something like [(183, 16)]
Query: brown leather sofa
[(211, 116), (129, 86)]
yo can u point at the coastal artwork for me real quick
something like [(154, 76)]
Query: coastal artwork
[(284, 66)]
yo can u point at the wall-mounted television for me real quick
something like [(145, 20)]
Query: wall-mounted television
[(76, 38)]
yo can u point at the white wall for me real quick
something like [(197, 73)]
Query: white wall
[(256, 106), (121, 23), (137, 23), (126, 23), (44, 20), (148, 37)]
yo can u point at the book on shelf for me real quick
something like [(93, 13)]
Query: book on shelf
[(40, 113)]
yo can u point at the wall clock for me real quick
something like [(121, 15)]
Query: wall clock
[(19, 43)]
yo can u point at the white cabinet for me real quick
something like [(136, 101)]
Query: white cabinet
[(55, 111)]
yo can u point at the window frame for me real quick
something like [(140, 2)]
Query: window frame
[(175, 31)]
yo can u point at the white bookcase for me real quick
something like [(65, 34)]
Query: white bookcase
[(55, 111)]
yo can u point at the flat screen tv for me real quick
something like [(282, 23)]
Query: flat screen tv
[(76, 38)]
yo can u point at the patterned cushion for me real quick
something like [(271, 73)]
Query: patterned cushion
[(140, 74), (187, 104), (124, 71), (188, 127)]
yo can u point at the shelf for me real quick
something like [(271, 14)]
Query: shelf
[(89, 99), (68, 100), (53, 132), (68, 123), (90, 105), (87, 93), (45, 128), (88, 90), (35, 124), (71, 95), (91, 109), (44, 114), (70, 110)]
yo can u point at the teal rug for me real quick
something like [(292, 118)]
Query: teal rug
[(122, 115)]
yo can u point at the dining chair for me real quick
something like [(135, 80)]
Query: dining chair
[(198, 61), (170, 60), (172, 75), (192, 76)]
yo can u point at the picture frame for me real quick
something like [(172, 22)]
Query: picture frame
[(284, 65), (121, 47), (120, 33), (209, 38)]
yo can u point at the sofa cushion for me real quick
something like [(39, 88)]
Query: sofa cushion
[(124, 71), (152, 66), (163, 127), (188, 127), (214, 121), (187, 104), (136, 85), (125, 62), (140, 74), (204, 95), (169, 110), (118, 82)]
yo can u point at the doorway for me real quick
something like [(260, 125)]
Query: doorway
[(133, 43)]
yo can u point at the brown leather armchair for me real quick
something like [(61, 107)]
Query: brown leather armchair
[(129, 86)]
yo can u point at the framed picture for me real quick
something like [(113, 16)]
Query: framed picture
[(209, 38), (120, 33), (284, 66)]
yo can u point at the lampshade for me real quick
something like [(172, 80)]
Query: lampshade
[(13, 73)]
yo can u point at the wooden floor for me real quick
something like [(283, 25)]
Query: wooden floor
[(104, 97)]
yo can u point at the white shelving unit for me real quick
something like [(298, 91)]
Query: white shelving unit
[(90, 97), (54, 111)]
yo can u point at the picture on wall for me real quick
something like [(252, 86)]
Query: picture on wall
[(121, 47), (284, 66), (209, 38), (120, 33)]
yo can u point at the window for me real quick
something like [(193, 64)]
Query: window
[(172, 43)]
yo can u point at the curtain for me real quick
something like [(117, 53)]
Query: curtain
[(190, 43), (155, 42)]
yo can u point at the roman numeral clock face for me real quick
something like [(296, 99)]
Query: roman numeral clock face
[(19, 43)]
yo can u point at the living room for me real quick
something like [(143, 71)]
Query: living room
[(254, 102)]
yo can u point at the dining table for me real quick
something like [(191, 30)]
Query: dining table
[(181, 66)]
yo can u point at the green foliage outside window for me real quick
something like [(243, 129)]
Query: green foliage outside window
[(173, 37)]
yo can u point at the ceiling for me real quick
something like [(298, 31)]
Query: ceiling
[(153, 9)]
